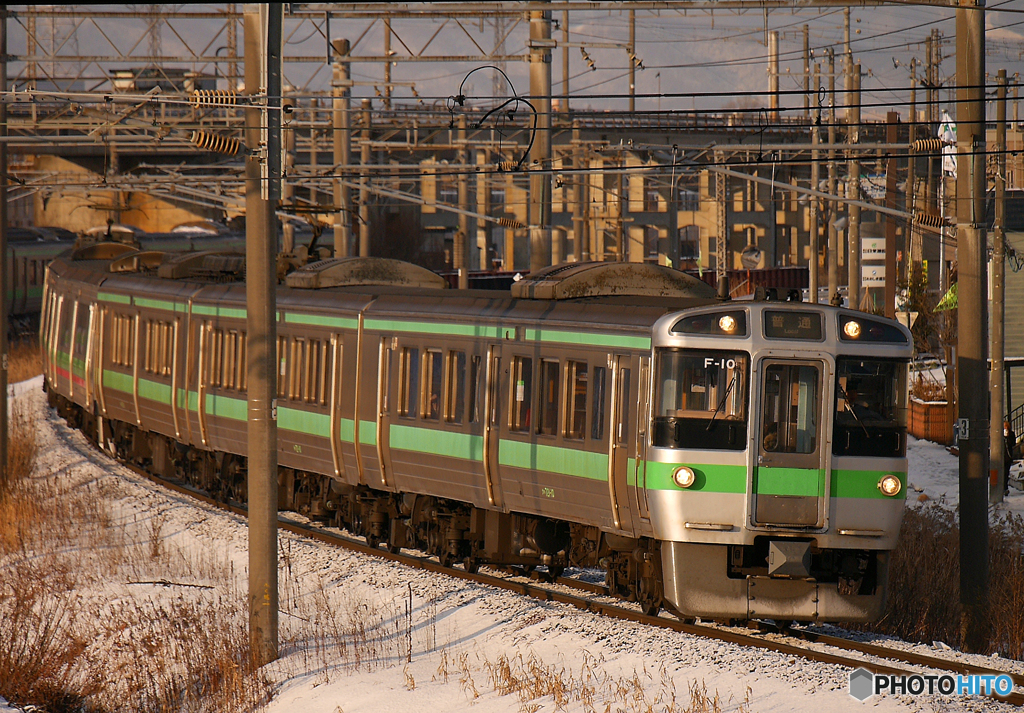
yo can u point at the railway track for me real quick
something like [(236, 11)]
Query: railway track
[(816, 646)]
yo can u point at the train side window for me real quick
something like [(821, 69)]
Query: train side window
[(576, 399), (455, 398), (243, 364), (409, 389), (597, 403), (282, 366), (522, 390), (474, 384), (624, 401), (216, 351), (316, 390), (550, 380), (231, 359), (433, 375), (123, 338)]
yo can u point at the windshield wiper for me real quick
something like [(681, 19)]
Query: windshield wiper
[(721, 405), (848, 407)]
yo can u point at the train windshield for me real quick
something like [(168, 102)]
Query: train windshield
[(701, 399), (867, 410)]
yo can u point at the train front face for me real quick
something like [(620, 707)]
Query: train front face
[(776, 469)]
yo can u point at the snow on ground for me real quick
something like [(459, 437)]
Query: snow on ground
[(439, 656)]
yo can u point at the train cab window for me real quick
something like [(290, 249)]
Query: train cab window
[(455, 396), (868, 407), (474, 390), (576, 399), (409, 388), (597, 400), (547, 397), (433, 373), (700, 399), (521, 392), (791, 395)]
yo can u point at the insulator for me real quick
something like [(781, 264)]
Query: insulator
[(508, 165), (214, 97), (510, 223), (216, 144), (931, 220), (927, 145)]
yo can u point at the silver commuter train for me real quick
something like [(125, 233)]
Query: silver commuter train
[(723, 460)]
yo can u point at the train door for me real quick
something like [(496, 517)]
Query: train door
[(621, 445), (643, 419), (383, 435), (337, 354), (789, 475), (492, 423)]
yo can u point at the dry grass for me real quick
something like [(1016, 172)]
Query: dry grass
[(102, 611), (927, 389), (24, 361), (924, 582)]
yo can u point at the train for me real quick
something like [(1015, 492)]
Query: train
[(718, 459), (29, 251)]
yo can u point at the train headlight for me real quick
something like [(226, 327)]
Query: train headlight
[(890, 485), (727, 323), (683, 476), (852, 329)]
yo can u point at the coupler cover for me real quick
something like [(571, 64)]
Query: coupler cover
[(789, 558)]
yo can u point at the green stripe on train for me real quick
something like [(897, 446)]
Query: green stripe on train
[(436, 442), (552, 459), (455, 330), (113, 297), (805, 482), (709, 478), (588, 338), (319, 320), (864, 484)]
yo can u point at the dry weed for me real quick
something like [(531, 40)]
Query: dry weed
[(23, 361)]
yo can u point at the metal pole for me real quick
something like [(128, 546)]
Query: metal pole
[(364, 181), (342, 146), (807, 73), (997, 474), (577, 195), (261, 306), (889, 301), (540, 154), (387, 62), (483, 207), (773, 75), (972, 332), (815, 179), (631, 50), (4, 277), (460, 249), (564, 104), (853, 191)]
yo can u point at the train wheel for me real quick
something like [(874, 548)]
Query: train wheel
[(471, 565)]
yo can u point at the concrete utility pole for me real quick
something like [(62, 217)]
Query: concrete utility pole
[(889, 299), (387, 63), (972, 332), (4, 286), (364, 180), (853, 190), (341, 88), (262, 77), (815, 179), (997, 476), (540, 154), (833, 178), (564, 104)]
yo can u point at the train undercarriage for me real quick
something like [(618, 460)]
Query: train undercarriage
[(455, 532)]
